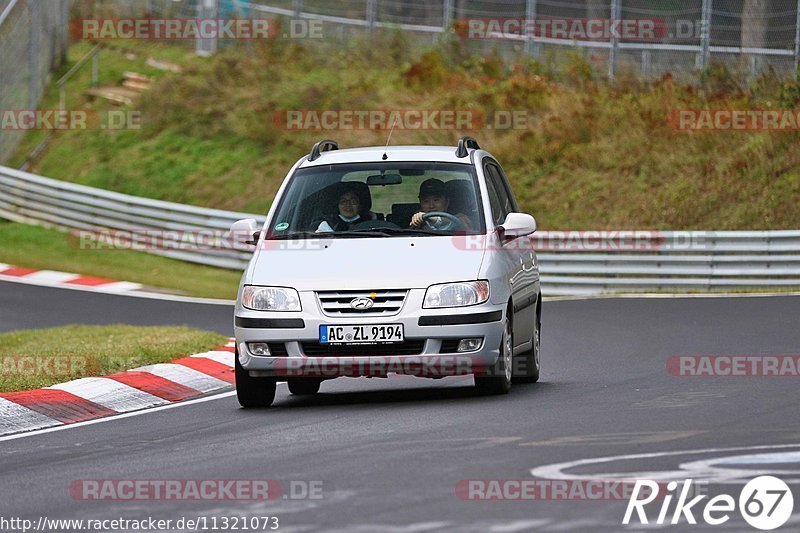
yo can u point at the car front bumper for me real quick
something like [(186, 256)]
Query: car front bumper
[(430, 334)]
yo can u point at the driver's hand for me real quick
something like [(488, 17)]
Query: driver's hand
[(416, 220)]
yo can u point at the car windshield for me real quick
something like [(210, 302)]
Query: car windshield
[(379, 200)]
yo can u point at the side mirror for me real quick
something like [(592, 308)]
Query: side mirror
[(518, 225), (245, 231)]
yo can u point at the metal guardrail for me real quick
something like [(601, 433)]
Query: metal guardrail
[(570, 262), (66, 206)]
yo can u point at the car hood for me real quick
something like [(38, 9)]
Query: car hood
[(367, 263)]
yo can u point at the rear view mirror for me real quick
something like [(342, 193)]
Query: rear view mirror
[(518, 225), (385, 179), (245, 231)]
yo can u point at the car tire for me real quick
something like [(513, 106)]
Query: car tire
[(498, 379), (253, 392), (527, 365), (304, 387)]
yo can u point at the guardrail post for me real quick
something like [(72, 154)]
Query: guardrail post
[(531, 46), (297, 6), (705, 33), (616, 14), (372, 13)]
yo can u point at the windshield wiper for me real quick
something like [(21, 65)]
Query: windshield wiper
[(387, 232), (301, 235)]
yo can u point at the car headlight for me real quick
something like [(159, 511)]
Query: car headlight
[(456, 294), (270, 298)]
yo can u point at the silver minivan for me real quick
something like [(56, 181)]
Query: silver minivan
[(389, 260)]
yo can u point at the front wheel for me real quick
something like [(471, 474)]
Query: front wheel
[(528, 365), (253, 392), (498, 380)]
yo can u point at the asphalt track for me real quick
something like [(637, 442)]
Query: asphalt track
[(390, 453)]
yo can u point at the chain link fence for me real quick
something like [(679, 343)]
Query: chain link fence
[(748, 36), (33, 41)]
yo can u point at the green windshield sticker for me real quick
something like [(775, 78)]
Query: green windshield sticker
[(282, 226)]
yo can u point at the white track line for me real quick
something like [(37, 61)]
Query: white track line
[(656, 296), (116, 286), (111, 394), (15, 417)]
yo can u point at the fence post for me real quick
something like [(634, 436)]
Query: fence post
[(206, 9), (372, 14), (705, 34), (95, 69), (297, 6), (64, 33), (531, 46), (447, 15), (34, 34), (616, 14), (797, 41)]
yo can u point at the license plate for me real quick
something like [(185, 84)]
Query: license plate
[(363, 334)]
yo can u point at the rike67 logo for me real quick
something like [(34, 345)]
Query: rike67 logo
[(766, 503)]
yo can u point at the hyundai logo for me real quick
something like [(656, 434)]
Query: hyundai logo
[(362, 304)]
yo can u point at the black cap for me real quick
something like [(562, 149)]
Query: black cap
[(432, 187)]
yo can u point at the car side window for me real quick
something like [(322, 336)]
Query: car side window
[(495, 202), (497, 186), (503, 184), (502, 191)]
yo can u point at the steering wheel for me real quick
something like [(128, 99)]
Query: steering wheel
[(454, 222)]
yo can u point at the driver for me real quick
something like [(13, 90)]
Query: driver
[(351, 210), (433, 197)]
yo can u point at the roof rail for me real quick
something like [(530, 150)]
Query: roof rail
[(322, 146), (464, 144)]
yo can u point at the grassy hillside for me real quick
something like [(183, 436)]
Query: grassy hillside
[(596, 155)]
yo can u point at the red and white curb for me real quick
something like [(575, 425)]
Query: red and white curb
[(53, 278), (140, 388)]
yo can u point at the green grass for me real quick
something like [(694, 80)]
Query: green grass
[(34, 247), (32, 359), (596, 155)]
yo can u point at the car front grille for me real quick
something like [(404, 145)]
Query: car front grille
[(386, 302), (412, 347)]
